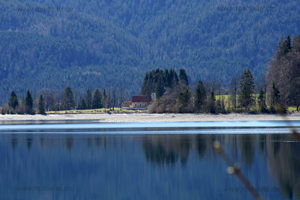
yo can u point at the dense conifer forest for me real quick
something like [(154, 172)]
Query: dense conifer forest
[(97, 44)]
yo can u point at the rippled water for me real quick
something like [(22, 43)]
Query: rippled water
[(150, 163)]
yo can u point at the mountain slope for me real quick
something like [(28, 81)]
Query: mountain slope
[(101, 43)]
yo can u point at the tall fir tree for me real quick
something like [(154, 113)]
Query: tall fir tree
[(160, 88), (82, 104), (212, 102), (68, 101), (183, 101), (104, 99), (97, 97), (200, 95), (13, 100), (41, 105), (275, 96), (28, 103), (262, 101), (88, 99), (183, 78), (247, 89), (144, 89)]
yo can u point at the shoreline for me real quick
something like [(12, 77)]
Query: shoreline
[(145, 117)]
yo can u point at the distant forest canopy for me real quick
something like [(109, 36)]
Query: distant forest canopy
[(102, 43)]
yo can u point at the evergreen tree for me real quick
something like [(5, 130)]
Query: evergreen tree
[(212, 102), (41, 105), (200, 96), (275, 96), (262, 101), (247, 89), (104, 99), (68, 101), (284, 47), (144, 90), (88, 99), (183, 101), (13, 100), (82, 104), (28, 103), (96, 102), (183, 78), (160, 88)]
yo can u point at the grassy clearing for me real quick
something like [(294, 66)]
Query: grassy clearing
[(93, 111)]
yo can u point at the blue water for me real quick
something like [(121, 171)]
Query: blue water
[(147, 161), (151, 125)]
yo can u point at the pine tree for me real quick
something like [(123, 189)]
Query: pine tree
[(262, 101), (183, 101), (144, 90), (284, 47), (82, 104), (200, 96), (68, 101), (160, 88), (13, 100), (183, 78), (104, 99), (247, 89), (88, 99), (28, 103), (41, 105), (96, 102), (275, 96), (212, 102)]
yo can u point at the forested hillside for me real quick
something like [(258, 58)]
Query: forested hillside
[(94, 44)]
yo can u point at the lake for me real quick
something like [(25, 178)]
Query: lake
[(167, 160)]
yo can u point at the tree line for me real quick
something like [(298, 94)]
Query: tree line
[(280, 87), (48, 100)]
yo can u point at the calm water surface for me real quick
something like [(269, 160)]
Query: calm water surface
[(146, 163)]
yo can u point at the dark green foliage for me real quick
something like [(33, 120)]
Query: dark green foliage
[(160, 88), (97, 97), (68, 101), (262, 101), (211, 102), (275, 96), (200, 95), (13, 100), (247, 89), (28, 103), (183, 78), (82, 105), (41, 105), (119, 44), (284, 47), (183, 101), (88, 99), (167, 79), (104, 99)]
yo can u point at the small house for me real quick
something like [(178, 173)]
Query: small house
[(140, 101)]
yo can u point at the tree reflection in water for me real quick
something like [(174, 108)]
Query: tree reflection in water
[(247, 149), (29, 141), (69, 143), (284, 162), (14, 142)]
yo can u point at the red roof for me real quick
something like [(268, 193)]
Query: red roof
[(141, 98)]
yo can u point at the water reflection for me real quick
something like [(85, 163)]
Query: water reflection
[(284, 163), (146, 166), (247, 149)]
